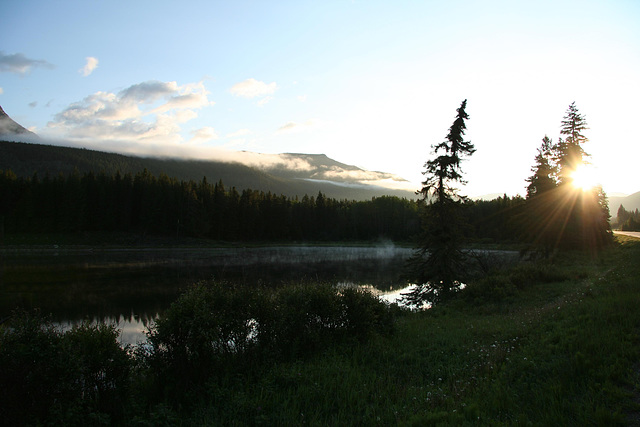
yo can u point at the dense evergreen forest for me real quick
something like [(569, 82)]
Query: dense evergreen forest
[(627, 220), (147, 205)]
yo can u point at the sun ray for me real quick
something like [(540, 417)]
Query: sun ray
[(584, 178)]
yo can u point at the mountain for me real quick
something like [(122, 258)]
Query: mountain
[(324, 175), (9, 127), (290, 174), (630, 203)]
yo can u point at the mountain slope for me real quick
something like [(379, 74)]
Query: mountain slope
[(27, 159), (630, 203), (10, 127)]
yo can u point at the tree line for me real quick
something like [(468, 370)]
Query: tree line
[(628, 220), (149, 205)]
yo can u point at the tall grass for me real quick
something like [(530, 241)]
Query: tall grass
[(559, 347)]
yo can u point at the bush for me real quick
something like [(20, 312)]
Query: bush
[(47, 374), (217, 329)]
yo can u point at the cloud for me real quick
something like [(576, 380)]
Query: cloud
[(33, 104), (239, 133), (92, 64), (146, 111), (1, 91), (20, 64), (268, 161), (264, 100), (204, 134), (294, 127), (252, 88), (149, 91)]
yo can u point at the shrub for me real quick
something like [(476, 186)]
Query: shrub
[(204, 328), (47, 374), (218, 329)]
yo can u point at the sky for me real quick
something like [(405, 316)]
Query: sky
[(369, 83)]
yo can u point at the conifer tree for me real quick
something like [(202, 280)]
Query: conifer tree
[(544, 171), (559, 214), (438, 264)]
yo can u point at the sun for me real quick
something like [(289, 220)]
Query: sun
[(584, 178)]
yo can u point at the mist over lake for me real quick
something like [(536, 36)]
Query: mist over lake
[(131, 287)]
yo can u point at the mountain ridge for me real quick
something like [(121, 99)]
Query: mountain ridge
[(9, 127), (27, 159)]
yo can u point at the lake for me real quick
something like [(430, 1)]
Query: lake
[(131, 287)]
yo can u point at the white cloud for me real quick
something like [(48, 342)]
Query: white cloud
[(294, 127), (146, 111), (1, 91), (252, 88), (204, 134), (302, 98), (239, 133), (264, 100), (18, 63), (92, 64), (269, 161)]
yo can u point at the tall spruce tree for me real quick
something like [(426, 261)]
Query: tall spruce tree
[(559, 214), (544, 171), (437, 265)]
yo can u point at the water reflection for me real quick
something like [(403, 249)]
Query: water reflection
[(130, 288)]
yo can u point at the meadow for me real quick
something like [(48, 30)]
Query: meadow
[(544, 343)]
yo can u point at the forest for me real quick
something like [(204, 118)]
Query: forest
[(143, 205), (627, 220)]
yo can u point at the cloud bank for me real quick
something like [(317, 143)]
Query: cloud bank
[(20, 64)]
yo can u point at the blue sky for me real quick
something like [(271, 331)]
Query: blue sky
[(369, 83)]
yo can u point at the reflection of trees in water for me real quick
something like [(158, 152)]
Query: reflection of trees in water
[(137, 286)]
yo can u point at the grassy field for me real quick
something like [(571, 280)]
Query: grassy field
[(564, 352), (550, 343)]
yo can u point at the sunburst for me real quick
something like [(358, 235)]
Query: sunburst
[(584, 178)]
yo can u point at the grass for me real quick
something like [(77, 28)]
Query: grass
[(556, 344), (556, 353)]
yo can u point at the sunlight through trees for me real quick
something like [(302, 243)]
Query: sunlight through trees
[(565, 209)]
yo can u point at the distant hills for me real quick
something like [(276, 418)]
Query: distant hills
[(321, 174), (630, 203), (290, 174)]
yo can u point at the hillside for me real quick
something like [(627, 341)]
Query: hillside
[(9, 127), (334, 179), (630, 203)]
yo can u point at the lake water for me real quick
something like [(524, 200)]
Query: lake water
[(132, 287)]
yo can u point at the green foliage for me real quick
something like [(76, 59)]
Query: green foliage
[(215, 329), (438, 265), (145, 205), (560, 349), (80, 376), (501, 285), (628, 220), (558, 215)]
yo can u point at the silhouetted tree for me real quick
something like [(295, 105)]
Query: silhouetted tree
[(544, 171), (569, 152), (560, 215), (438, 263)]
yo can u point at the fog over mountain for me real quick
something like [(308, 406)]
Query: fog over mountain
[(8, 127), (291, 174)]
